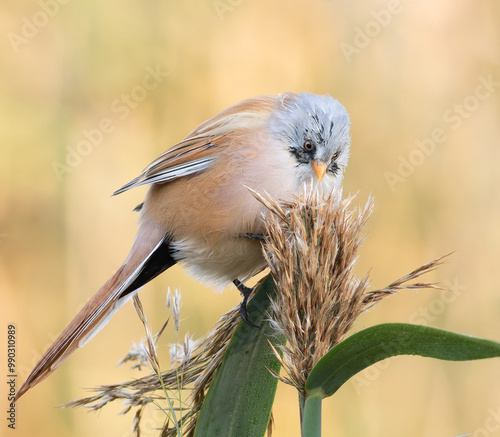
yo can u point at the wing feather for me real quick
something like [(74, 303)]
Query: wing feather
[(199, 149)]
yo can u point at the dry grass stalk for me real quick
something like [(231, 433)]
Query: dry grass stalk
[(374, 296), (195, 363), (311, 248)]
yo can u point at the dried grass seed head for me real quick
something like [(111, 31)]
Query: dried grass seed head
[(311, 246)]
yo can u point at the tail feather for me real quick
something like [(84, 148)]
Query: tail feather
[(122, 286)]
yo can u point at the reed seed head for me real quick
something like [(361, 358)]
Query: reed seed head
[(311, 248)]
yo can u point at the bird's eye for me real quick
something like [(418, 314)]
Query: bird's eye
[(335, 156), (308, 146)]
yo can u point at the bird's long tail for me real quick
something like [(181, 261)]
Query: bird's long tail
[(151, 254)]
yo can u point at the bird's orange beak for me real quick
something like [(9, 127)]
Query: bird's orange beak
[(319, 169)]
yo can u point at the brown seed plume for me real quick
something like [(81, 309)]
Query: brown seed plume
[(311, 248)]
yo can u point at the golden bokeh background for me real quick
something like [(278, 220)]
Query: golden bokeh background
[(421, 81)]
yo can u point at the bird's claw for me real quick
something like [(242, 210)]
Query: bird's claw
[(245, 292)]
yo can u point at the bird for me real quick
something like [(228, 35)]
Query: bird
[(199, 210)]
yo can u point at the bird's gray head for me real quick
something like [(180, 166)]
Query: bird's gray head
[(316, 131)]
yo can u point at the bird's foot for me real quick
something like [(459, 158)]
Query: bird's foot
[(245, 292), (258, 237)]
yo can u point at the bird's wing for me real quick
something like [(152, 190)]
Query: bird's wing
[(197, 152)]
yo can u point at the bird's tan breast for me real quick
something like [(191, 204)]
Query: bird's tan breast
[(206, 213), (217, 203)]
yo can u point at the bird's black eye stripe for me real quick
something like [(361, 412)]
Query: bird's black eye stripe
[(301, 154), (333, 168)]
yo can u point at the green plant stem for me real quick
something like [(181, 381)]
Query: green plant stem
[(302, 401), (311, 424)]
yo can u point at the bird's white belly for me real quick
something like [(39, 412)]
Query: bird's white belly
[(233, 258)]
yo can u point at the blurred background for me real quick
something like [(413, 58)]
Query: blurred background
[(92, 91)]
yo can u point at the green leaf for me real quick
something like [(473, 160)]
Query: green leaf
[(240, 398), (374, 344)]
